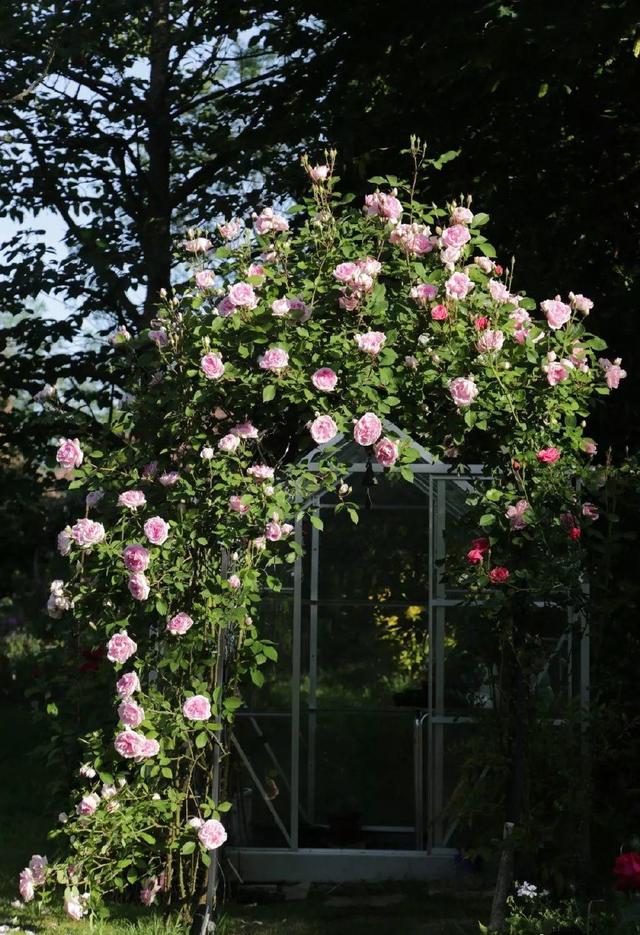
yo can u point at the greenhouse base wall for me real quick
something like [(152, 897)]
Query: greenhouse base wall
[(322, 865)]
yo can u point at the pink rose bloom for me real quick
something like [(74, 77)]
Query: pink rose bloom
[(260, 543), (499, 575), (413, 238), (498, 291), (439, 313), (287, 529), (384, 206), (268, 221), (236, 504), (613, 372), (241, 294), (460, 215), (120, 647), (481, 323), (226, 307), (557, 371), (490, 341), (87, 533), (456, 236), (361, 281), (386, 452), (130, 744), (578, 358), (74, 908), (231, 229), (463, 391), (88, 804), (294, 309), (548, 455), (58, 601), (130, 713), (521, 318), (458, 286), (370, 266), (450, 256), (156, 530), (212, 834), (136, 558), (367, 429), (318, 173), (197, 708), (205, 279), (260, 472), (274, 359), (132, 499), (159, 337), (169, 478), (26, 885), (148, 893), (138, 585), (273, 531), (484, 263), (515, 514), (280, 307), (64, 541), (424, 293), (69, 453), (149, 748), (257, 270), (581, 303), (371, 342), (556, 312), (234, 582), (180, 624), (127, 684), (590, 511), (349, 302), (245, 430), (324, 379), (212, 366), (323, 429), (344, 272), (229, 443), (589, 447), (38, 867), (198, 245)]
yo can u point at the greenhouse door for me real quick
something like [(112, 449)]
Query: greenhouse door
[(363, 621)]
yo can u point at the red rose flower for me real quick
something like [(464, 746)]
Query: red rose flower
[(499, 575), (627, 871)]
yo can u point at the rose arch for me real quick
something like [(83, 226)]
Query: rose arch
[(389, 325)]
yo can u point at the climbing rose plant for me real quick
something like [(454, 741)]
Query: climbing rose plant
[(294, 331)]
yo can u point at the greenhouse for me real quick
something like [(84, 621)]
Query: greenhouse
[(349, 761)]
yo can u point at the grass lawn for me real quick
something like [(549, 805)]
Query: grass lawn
[(26, 814)]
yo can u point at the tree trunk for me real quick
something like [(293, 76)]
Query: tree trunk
[(156, 234), (517, 711)]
